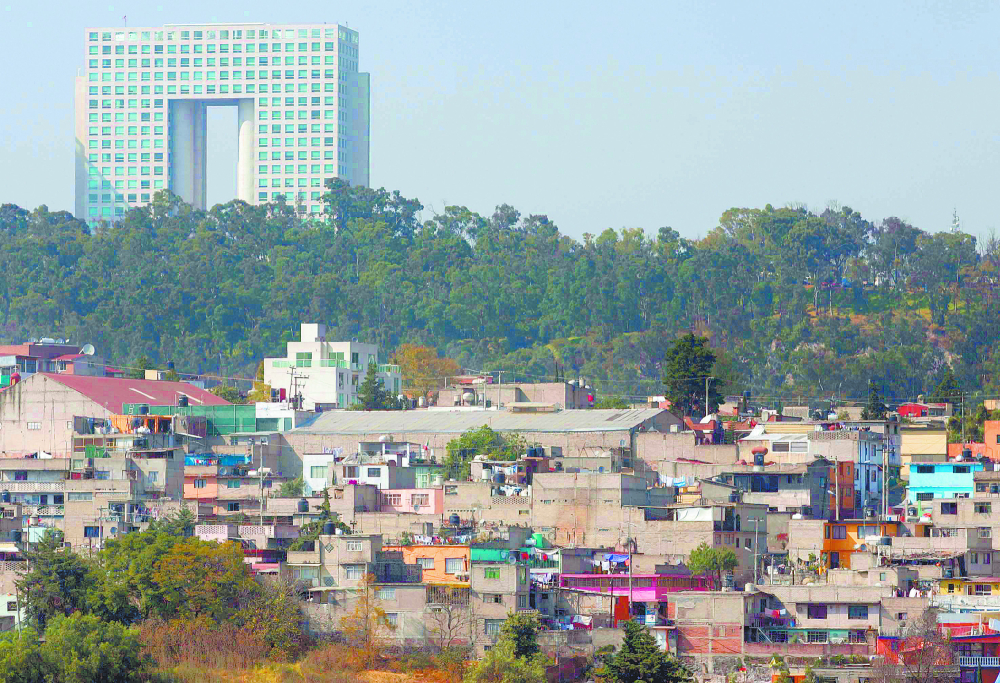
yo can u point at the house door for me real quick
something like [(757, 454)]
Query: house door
[(834, 560)]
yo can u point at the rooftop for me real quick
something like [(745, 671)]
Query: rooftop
[(454, 421), (113, 393)]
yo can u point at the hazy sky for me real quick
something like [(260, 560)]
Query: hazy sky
[(598, 114)]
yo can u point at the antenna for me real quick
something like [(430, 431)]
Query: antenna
[(88, 350)]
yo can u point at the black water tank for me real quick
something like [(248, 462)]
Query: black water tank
[(454, 520), (182, 401), (303, 505), (170, 365), (329, 529), (5, 496), (144, 410)]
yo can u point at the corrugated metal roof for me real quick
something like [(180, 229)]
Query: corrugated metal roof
[(113, 393), (458, 421)]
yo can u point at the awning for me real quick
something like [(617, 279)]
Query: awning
[(615, 557), (9, 548)]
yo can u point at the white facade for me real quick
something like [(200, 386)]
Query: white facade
[(327, 374), (141, 119)]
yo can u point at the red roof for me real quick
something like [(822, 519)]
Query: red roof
[(113, 393)]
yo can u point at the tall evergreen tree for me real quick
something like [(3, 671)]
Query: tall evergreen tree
[(641, 659), (687, 365), (372, 395), (947, 390), (876, 409), (57, 583)]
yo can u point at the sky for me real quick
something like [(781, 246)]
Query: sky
[(598, 115)]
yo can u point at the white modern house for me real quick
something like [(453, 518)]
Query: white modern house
[(326, 374)]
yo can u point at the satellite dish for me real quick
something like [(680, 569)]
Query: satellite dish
[(88, 350)]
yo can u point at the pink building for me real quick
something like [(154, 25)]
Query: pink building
[(645, 587), (419, 501)]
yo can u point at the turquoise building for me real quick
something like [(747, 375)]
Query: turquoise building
[(930, 480)]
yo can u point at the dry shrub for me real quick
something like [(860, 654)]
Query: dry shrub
[(333, 662), (201, 643)]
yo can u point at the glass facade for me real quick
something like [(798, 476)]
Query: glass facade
[(141, 125)]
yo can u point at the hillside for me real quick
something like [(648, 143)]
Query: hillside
[(797, 304)]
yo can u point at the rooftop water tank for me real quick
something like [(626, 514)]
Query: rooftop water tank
[(329, 529), (454, 520), (303, 505)]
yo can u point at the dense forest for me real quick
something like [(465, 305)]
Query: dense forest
[(795, 303)]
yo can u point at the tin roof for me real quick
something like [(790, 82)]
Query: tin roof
[(113, 393), (445, 421)]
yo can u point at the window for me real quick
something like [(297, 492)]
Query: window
[(492, 627), (12, 606), (983, 589), (80, 495), (232, 507), (522, 601), (961, 469), (984, 509), (493, 598), (305, 573), (857, 637), (450, 490), (747, 542), (394, 499), (91, 532), (817, 611), (233, 483), (374, 472), (453, 564), (925, 469), (865, 531), (839, 532), (426, 562), (987, 558), (354, 546), (419, 499), (199, 483), (949, 508), (392, 618), (34, 425), (386, 593), (354, 572), (491, 573), (974, 558), (817, 636), (317, 472), (857, 611)]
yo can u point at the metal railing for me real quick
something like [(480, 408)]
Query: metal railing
[(988, 662)]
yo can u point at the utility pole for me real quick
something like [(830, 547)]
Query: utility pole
[(756, 541), (261, 472)]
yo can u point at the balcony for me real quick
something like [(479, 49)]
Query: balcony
[(43, 510), (389, 369), (977, 662), (32, 486)]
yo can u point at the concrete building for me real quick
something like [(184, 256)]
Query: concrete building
[(476, 391), (38, 413), (317, 374), (799, 489), (55, 356), (141, 113), (931, 480), (562, 434)]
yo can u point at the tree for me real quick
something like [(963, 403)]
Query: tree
[(83, 648), (876, 409), (271, 610), (201, 578), (451, 623), (57, 582), (137, 368), (482, 441), (947, 390), (522, 630), (228, 392), (367, 628), (372, 395), (124, 588), (311, 531), (422, 369), (713, 561), (924, 655), (21, 658), (612, 403), (293, 488), (501, 665), (640, 659), (687, 364)]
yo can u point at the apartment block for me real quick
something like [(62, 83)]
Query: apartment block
[(142, 103)]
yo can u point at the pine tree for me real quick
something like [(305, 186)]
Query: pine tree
[(372, 395), (687, 364), (876, 409), (947, 390), (641, 659)]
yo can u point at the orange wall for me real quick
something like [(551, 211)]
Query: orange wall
[(847, 546), (846, 485), (439, 553), (210, 492)]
